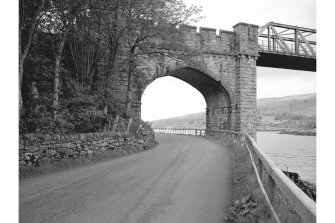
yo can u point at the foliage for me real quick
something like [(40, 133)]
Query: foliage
[(139, 126), (79, 52), (84, 114), (42, 122)]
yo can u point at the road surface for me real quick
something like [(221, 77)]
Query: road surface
[(184, 179)]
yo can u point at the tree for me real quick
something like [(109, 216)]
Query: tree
[(150, 22), (29, 14), (83, 49), (58, 20), (85, 45)]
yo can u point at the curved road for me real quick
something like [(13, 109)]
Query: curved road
[(183, 179)]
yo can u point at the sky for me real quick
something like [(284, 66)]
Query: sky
[(170, 97)]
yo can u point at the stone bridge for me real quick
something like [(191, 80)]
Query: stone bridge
[(224, 72)]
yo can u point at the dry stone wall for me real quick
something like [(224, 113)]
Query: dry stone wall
[(38, 149)]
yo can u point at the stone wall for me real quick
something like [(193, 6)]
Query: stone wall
[(37, 149)]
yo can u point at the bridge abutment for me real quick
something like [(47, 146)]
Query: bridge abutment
[(246, 99), (246, 96)]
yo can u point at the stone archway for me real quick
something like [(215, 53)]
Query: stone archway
[(219, 107), (223, 70)]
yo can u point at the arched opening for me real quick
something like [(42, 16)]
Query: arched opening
[(217, 99), (168, 97)]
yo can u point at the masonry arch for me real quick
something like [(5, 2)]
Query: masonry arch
[(218, 100)]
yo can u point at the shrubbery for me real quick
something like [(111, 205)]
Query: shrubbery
[(78, 64)]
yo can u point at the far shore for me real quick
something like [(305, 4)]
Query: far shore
[(301, 132)]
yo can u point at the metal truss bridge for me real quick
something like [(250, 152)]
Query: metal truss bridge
[(286, 46)]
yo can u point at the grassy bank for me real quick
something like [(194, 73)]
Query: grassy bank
[(248, 204), (62, 164)]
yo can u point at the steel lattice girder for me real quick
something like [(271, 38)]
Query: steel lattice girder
[(280, 38)]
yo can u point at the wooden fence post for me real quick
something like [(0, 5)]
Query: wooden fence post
[(116, 120), (129, 124)]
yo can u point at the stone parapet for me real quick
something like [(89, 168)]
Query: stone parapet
[(206, 39), (246, 39)]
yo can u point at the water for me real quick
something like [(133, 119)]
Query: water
[(297, 153)]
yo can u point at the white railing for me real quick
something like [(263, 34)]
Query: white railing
[(288, 200), (181, 131), (279, 187)]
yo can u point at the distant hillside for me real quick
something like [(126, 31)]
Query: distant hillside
[(302, 105), (196, 120), (282, 113)]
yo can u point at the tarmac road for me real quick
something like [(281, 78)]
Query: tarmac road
[(184, 179)]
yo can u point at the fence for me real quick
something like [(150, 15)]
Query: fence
[(290, 203), (180, 131)]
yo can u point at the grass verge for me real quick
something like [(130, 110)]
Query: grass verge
[(249, 204)]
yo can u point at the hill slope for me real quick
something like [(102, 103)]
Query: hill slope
[(303, 105), (196, 120), (282, 113)]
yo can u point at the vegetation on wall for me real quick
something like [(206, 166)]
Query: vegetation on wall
[(72, 53)]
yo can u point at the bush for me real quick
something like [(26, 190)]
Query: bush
[(42, 122), (136, 125), (78, 116), (88, 121)]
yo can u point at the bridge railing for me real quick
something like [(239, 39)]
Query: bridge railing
[(286, 39), (181, 131), (263, 46), (290, 203)]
